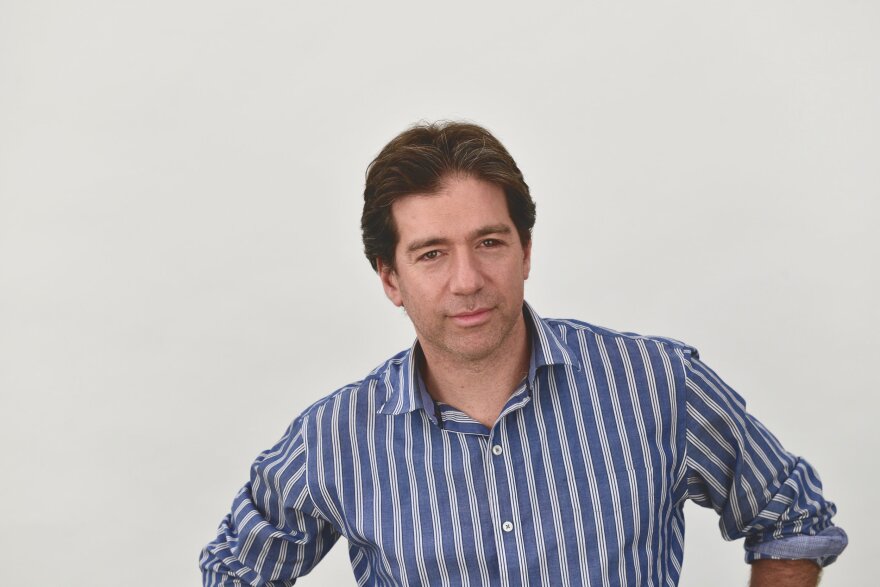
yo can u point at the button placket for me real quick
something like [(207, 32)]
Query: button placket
[(502, 490), (499, 457)]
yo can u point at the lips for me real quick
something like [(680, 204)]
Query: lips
[(472, 317)]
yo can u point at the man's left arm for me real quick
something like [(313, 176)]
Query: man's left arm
[(762, 493), (784, 573)]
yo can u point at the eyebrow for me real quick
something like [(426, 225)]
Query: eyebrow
[(436, 240)]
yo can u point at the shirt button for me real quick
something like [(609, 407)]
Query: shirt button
[(507, 526), (497, 450)]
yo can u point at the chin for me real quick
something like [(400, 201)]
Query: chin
[(473, 352)]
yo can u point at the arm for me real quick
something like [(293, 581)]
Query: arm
[(274, 533), (761, 492), (784, 573)]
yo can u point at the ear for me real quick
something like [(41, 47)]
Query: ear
[(527, 259), (389, 282)]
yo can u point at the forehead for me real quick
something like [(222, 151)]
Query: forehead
[(459, 206)]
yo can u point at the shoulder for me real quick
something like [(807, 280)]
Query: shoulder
[(359, 399), (577, 332)]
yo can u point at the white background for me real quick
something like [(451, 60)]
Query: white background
[(180, 265)]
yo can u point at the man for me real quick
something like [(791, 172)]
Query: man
[(503, 448)]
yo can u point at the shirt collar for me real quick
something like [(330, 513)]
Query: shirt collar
[(407, 393)]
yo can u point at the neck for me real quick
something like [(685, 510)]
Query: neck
[(479, 388)]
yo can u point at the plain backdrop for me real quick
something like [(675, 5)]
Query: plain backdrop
[(180, 260)]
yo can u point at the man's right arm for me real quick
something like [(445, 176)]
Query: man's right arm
[(274, 532)]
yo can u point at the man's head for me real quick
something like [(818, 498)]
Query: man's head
[(447, 221), (419, 161)]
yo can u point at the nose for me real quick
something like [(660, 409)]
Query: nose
[(467, 276)]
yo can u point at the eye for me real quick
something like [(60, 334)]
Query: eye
[(430, 255), (490, 242)]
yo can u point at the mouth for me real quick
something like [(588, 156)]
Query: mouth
[(472, 318)]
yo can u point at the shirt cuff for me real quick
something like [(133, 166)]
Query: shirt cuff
[(823, 548)]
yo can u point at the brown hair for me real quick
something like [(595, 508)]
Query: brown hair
[(419, 160)]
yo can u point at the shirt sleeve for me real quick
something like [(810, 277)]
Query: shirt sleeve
[(274, 532), (761, 492)]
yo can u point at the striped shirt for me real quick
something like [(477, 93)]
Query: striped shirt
[(581, 481)]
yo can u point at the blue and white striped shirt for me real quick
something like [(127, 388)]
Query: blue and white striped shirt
[(581, 481)]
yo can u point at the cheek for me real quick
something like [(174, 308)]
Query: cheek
[(424, 297), (511, 274), (411, 294)]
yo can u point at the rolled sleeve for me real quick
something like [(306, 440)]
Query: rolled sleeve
[(823, 547), (761, 492), (274, 532)]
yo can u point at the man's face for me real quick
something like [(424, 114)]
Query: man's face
[(459, 269)]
